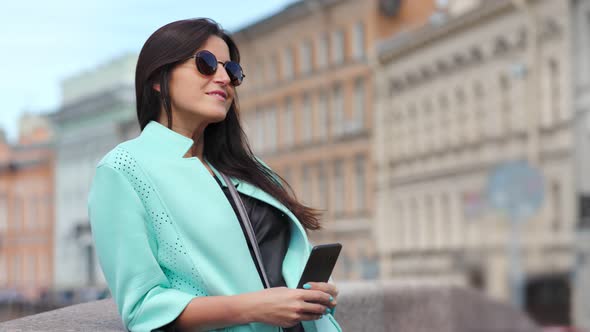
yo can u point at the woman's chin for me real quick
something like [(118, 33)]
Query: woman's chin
[(218, 115)]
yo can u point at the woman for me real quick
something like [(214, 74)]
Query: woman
[(169, 241)]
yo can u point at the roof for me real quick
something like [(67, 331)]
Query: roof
[(287, 15)]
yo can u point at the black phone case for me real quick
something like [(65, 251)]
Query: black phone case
[(320, 264)]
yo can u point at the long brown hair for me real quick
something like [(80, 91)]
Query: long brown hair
[(226, 146)]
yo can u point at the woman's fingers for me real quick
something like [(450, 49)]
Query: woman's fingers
[(314, 309), (316, 296), (326, 288)]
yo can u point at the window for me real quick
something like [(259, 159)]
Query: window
[(338, 47), (338, 110), (306, 57), (16, 266), (444, 132), (288, 63), (556, 201), (480, 115), (360, 182), (397, 225), (322, 187), (248, 125), (40, 211), (273, 68), (420, 221), (338, 187), (554, 91), (505, 110), (3, 271), (271, 129), (44, 273), (347, 266), (429, 222), (287, 175), (408, 224), (445, 225), (260, 72), (3, 213), (24, 204), (394, 120), (323, 50), (411, 126), (307, 123), (288, 123), (30, 270), (306, 184), (323, 114), (427, 125), (48, 204), (38, 206), (17, 212), (414, 219), (461, 120), (260, 131), (358, 40), (399, 122), (30, 209), (359, 105)]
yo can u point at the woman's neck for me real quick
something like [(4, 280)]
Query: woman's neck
[(194, 131), (196, 150)]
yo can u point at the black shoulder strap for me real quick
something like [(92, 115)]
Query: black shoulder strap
[(247, 225)]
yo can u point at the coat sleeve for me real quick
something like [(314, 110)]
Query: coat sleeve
[(127, 254)]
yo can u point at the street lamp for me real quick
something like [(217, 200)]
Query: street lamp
[(529, 71)]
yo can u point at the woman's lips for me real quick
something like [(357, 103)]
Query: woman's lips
[(219, 95)]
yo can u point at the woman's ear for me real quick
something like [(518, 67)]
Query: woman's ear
[(156, 87)]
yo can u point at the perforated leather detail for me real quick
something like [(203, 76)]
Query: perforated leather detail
[(173, 258)]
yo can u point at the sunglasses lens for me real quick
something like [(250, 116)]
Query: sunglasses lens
[(235, 73), (206, 63)]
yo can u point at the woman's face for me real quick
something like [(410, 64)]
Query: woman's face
[(201, 98)]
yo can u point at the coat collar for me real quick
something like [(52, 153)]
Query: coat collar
[(166, 141), (172, 144)]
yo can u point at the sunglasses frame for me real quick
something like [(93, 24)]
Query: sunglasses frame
[(223, 64)]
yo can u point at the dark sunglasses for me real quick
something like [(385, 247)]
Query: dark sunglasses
[(207, 65)]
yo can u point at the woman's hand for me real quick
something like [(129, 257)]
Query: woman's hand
[(285, 307), (326, 288)]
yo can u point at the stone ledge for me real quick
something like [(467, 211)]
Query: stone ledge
[(376, 307)]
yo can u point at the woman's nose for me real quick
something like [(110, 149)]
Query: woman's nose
[(221, 75)]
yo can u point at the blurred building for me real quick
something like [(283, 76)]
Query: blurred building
[(96, 114), (26, 208), (307, 104), (456, 97), (581, 79)]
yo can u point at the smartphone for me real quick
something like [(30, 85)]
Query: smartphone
[(320, 263)]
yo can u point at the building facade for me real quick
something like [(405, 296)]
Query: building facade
[(26, 209), (456, 98), (96, 114), (307, 106)]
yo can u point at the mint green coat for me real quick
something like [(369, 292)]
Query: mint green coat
[(165, 233)]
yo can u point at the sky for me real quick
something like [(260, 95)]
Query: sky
[(44, 42)]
